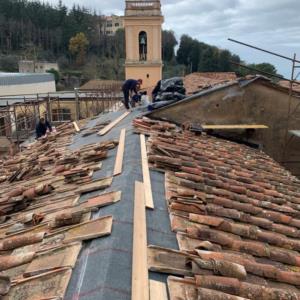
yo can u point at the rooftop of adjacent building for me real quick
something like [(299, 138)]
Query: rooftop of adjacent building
[(24, 78)]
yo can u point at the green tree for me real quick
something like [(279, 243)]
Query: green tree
[(78, 47), (184, 50), (169, 43), (264, 67), (224, 61), (55, 73)]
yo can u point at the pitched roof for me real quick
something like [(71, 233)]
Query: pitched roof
[(236, 215), (97, 84), (24, 78), (42, 221), (286, 84), (195, 82)]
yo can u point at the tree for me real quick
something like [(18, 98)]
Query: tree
[(184, 51), (55, 73), (78, 46), (169, 43), (224, 61), (264, 67)]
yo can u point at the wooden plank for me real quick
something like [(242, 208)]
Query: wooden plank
[(146, 174), (158, 290), (96, 185), (140, 281), (120, 153), (76, 126), (239, 126), (107, 128)]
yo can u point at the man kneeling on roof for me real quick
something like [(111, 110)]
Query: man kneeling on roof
[(41, 128), (129, 88)]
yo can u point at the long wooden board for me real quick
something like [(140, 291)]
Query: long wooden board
[(140, 280), (120, 153), (146, 174), (239, 126), (76, 126), (107, 128), (158, 290)]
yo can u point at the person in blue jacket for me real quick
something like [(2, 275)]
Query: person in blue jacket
[(41, 128), (130, 86)]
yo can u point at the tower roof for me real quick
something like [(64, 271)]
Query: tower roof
[(143, 8)]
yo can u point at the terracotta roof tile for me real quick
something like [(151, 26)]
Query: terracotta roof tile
[(196, 82), (39, 211), (236, 204)]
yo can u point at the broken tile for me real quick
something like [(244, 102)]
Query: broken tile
[(60, 257), (46, 286)]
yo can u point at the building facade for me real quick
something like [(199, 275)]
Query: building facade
[(112, 24), (255, 101), (30, 66), (143, 21)]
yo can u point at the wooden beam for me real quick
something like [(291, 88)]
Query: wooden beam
[(140, 278), (120, 153), (76, 126), (146, 174), (158, 290), (107, 128), (240, 126)]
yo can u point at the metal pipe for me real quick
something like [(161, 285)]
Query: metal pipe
[(263, 72), (260, 49)]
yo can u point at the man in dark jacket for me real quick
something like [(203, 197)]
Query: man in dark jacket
[(41, 128), (130, 86)]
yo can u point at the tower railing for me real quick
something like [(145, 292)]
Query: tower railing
[(147, 4), (143, 8)]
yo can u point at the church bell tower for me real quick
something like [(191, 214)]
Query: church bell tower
[(143, 20)]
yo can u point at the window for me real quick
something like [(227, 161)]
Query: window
[(143, 45), (61, 114), (117, 24)]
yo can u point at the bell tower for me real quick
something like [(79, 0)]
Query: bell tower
[(143, 20)]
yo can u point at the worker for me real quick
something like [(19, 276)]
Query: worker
[(129, 87), (41, 128)]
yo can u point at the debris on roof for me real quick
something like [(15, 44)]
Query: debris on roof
[(42, 223), (235, 212), (287, 84), (196, 82)]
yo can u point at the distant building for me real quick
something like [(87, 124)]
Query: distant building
[(30, 66), (25, 83), (112, 24)]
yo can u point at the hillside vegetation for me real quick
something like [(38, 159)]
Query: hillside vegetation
[(73, 37)]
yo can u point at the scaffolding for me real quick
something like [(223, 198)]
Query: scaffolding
[(19, 115), (289, 134)]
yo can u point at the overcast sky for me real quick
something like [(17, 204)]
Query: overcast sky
[(270, 24)]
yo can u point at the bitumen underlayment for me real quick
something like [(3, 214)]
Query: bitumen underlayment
[(103, 269)]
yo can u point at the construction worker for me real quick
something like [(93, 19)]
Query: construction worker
[(41, 128), (129, 88)]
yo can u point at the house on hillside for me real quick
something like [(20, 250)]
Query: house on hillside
[(252, 101), (31, 66)]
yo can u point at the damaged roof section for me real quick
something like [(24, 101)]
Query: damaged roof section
[(235, 212), (42, 221), (196, 82)]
